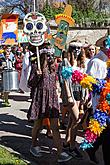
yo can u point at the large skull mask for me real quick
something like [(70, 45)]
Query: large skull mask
[(35, 28)]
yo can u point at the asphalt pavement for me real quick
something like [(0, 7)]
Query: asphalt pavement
[(15, 134)]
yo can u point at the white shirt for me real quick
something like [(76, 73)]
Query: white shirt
[(8, 64), (97, 68)]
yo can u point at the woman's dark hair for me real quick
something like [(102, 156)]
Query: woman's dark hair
[(104, 43), (64, 54), (43, 59), (18, 53), (71, 57), (48, 59)]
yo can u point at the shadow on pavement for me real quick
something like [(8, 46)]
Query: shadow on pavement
[(10, 123), (22, 146), (19, 98)]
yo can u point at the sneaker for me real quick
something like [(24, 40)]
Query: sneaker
[(6, 104), (75, 153), (64, 157), (35, 151)]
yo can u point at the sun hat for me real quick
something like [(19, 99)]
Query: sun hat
[(66, 16)]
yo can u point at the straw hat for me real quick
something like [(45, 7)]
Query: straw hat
[(66, 16), (100, 42), (77, 44)]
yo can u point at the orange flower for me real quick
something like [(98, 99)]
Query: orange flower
[(103, 103)]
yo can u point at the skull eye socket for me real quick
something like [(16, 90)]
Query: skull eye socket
[(39, 25), (29, 26)]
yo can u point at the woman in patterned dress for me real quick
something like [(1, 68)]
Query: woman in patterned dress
[(45, 103)]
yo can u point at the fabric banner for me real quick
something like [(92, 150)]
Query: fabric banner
[(9, 29)]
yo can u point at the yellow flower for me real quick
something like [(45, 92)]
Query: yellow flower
[(108, 63), (87, 82), (91, 79), (1, 51), (95, 127)]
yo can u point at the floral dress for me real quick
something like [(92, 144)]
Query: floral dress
[(45, 100)]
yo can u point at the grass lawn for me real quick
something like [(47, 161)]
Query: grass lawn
[(7, 158)]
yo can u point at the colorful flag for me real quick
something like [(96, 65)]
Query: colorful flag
[(9, 29)]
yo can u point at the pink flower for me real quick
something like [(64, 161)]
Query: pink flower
[(77, 76), (90, 136), (108, 53)]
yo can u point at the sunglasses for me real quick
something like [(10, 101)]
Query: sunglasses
[(91, 49)]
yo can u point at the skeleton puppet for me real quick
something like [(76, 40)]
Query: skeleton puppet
[(35, 28)]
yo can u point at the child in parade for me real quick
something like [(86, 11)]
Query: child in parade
[(45, 104)]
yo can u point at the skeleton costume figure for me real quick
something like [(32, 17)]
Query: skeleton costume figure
[(45, 100), (35, 27)]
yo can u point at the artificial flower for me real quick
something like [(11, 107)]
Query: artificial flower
[(1, 51), (77, 76), (103, 106), (90, 136), (108, 73), (108, 42), (101, 117), (85, 145), (98, 86), (87, 82), (67, 72), (108, 63), (95, 127), (108, 53)]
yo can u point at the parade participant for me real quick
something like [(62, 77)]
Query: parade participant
[(65, 61), (2, 65), (8, 65), (18, 62), (91, 51), (98, 69), (82, 62), (69, 101), (45, 104), (46, 121), (26, 68)]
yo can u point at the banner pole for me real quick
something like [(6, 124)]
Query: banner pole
[(34, 6), (38, 58)]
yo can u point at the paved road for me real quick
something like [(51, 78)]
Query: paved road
[(15, 134)]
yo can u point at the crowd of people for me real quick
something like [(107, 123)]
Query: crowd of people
[(52, 94)]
